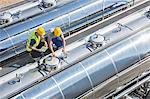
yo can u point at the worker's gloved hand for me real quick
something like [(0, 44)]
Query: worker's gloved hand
[(63, 55), (40, 50), (43, 49), (64, 50), (54, 55)]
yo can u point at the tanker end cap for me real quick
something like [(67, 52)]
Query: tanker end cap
[(48, 3)]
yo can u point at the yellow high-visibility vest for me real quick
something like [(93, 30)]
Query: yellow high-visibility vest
[(34, 37)]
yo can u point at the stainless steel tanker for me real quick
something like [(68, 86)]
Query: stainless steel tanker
[(93, 70), (70, 17), (122, 45), (27, 9)]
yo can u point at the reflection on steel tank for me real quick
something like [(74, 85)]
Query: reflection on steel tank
[(69, 17)]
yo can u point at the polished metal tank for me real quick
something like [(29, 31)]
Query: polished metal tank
[(70, 16), (78, 51), (27, 9), (93, 70)]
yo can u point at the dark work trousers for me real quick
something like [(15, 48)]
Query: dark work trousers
[(36, 54)]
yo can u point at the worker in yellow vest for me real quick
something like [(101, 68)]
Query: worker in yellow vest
[(56, 41), (36, 43)]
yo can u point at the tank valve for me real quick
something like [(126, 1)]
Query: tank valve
[(48, 3), (148, 14), (5, 17), (96, 41)]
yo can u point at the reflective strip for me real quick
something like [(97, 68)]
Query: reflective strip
[(58, 87), (36, 38), (87, 75), (112, 61)]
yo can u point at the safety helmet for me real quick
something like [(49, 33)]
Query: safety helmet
[(41, 31), (57, 31)]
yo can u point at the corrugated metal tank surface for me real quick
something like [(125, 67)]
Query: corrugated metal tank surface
[(92, 71)]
